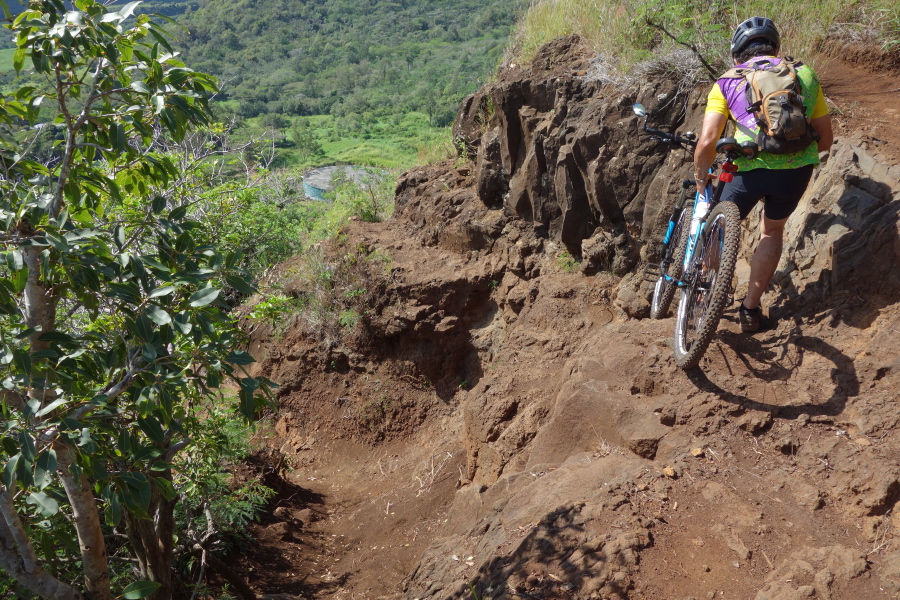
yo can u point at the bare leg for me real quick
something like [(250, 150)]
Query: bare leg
[(765, 259)]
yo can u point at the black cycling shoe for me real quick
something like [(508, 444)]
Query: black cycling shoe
[(751, 318)]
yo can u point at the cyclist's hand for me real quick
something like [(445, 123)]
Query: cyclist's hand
[(703, 180)]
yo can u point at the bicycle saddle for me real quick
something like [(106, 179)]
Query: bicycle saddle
[(731, 146)]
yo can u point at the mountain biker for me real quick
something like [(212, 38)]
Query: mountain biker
[(778, 179)]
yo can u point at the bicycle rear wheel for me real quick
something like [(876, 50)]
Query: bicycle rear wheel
[(665, 288), (704, 297)]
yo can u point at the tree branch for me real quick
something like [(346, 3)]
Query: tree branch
[(16, 530), (33, 576), (692, 47)]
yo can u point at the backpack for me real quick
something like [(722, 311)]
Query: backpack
[(775, 98)]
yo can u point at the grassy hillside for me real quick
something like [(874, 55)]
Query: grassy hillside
[(628, 33)]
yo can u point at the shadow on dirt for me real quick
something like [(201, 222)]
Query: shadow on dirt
[(775, 359), (855, 282), (546, 547)]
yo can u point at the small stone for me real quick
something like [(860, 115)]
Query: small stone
[(697, 452), (705, 568), (806, 591), (670, 472)]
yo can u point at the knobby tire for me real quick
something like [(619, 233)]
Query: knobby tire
[(664, 290), (703, 299)]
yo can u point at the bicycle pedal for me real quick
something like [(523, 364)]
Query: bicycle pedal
[(647, 276)]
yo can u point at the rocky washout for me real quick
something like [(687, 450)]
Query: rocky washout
[(507, 422)]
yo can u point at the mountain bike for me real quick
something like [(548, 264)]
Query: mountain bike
[(698, 258)]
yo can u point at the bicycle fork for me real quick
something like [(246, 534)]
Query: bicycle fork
[(662, 267)]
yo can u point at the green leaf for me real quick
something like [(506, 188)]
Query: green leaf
[(248, 403), (57, 337), (10, 470), (51, 407), (45, 468), (178, 213), (203, 297), (136, 494), (57, 241), (27, 446), (140, 589), (149, 353), (22, 361), (165, 487), (14, 260), (113, 513), (162, 291), (20, 279), (141, 88), (23, 472), (212, 379), (128, 292), (158, 315), (152, 429), (183, 322), (119, 236), (240, 357), (46, 505), (240, 284), (18, 59), (158, 204)]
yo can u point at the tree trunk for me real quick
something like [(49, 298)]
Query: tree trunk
[(152, 542), (87, 524)]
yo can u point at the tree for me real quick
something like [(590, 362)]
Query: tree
[(305, 141), (112, 326)]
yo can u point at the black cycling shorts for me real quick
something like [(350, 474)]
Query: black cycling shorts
[(779, 189)]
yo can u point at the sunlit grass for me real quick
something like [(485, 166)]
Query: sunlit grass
[(618, 29)]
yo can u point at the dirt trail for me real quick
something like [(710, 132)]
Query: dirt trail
[(521, 434)]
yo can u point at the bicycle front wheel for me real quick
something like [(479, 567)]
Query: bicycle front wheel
[(665, 287), (703, 298)]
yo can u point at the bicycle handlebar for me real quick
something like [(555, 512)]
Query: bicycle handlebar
[(674, 139)]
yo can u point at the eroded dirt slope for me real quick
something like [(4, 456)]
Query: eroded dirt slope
[(509, 420)]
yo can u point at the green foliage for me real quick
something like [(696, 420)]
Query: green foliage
[(304, 57), (342, 289), (113, 327), (275, 310), (209, 494), (566, 262)]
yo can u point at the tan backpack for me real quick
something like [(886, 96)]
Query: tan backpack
[(775, 98)]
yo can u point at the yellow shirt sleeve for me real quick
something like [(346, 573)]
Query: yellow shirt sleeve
[(715, 102), (821, 109)]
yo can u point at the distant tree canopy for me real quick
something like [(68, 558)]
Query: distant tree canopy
[(346, 57)]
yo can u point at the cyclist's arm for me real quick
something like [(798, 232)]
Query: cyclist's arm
[(821, 122), (705, 153), (822, 125)]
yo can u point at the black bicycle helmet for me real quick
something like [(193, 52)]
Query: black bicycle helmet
[(752, 29)]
